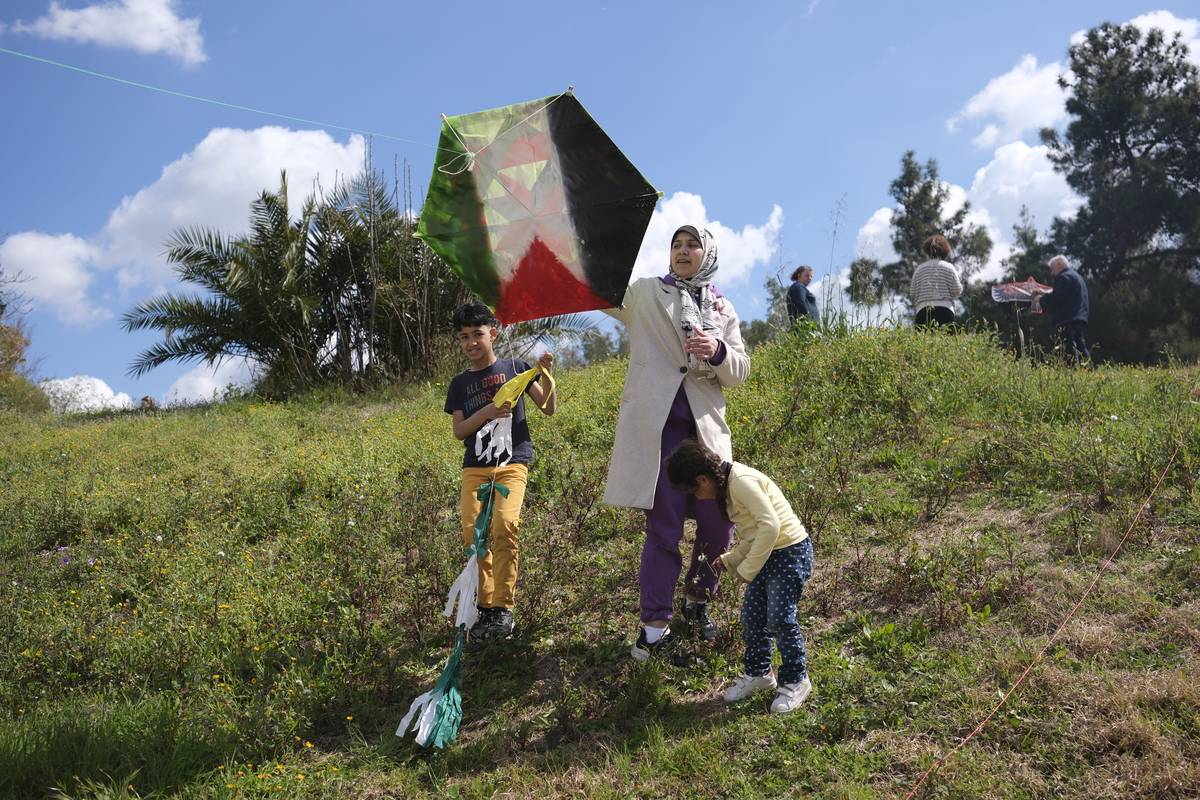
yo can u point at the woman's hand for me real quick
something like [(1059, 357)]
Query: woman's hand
[(546, 361), (701, 345)]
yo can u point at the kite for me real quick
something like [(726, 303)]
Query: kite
[(1019, 291), (1026, 291), (536, 209)]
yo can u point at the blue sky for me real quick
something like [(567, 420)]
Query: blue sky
[(757, 117)]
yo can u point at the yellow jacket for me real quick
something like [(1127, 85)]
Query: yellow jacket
[(764, 520)]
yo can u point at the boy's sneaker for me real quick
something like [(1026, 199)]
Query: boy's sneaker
[(747, 685), (642, 650), (790, 696), (479, 631), (502, 624), (697, 616)]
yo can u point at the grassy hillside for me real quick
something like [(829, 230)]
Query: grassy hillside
[(243, 600)]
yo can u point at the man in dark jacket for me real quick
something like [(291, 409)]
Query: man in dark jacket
[(1068, 306), (800, 301)]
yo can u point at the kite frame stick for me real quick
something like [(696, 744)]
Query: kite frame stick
[(470, 155)]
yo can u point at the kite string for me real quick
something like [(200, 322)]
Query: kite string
[(1054, 636), (468, 156), (211, 101)]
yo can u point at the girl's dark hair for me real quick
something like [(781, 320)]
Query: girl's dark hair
[(473, 315), (689, 461), (936, 246)]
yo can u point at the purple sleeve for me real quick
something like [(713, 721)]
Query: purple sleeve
[(719, 356)]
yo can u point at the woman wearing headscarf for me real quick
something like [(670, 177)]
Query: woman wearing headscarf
[(685, 348)]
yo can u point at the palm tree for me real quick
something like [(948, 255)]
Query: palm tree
[(345, 293), (259, 302)]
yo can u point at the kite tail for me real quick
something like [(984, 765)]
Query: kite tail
[(438, 712), (463, 593)]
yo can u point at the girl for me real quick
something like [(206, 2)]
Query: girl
[(774, 557), (685, 347)]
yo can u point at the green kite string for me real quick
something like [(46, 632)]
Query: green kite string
[(210, 101)]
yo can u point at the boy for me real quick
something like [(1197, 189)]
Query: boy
[(469, 400)]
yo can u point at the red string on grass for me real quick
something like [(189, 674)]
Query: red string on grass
[(1053, 637)]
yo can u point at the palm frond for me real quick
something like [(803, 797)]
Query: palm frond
[(526, 337)]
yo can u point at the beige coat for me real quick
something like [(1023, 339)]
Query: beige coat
[(657, 365)]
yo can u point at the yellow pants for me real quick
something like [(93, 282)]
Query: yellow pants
[(498, 570)]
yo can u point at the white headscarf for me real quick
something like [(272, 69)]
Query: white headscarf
[(700, 315)]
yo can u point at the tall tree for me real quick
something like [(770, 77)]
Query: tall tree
[(1132, 150), (921, 197), (17, 392), (13, 340), (264, 294)]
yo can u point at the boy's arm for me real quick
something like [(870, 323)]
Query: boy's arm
[(539, 393), (466, 426)]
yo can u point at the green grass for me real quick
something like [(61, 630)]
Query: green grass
[(241, 600)]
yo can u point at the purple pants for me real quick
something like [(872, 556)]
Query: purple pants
[(661, 561)]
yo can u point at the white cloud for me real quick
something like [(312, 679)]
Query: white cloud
[(812, 8), (56, 273), (81, 394), (1168, 23), (206, 382), (1022, 175), (739, 252), (874, 238), (145, 26), (1024, 99), (1027, 98), (211, 186)]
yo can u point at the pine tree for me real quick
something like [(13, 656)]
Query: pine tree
[(921, 198)]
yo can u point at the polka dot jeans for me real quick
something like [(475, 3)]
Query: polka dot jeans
[(769, 612)]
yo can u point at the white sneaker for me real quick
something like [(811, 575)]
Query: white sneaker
[(747, 685), (790, 696)]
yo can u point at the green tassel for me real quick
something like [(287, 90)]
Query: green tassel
[(448, 716), (487, 494)]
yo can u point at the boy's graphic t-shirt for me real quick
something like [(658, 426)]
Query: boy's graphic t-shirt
[(472, 389)]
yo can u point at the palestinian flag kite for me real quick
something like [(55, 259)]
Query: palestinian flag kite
[(536, 208)]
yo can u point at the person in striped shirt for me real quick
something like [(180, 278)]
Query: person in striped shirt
[(935, 285)]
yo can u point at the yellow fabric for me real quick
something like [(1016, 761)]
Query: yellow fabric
[(512, 389), (497, 570), (764, 520)]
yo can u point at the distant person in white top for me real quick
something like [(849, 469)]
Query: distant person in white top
[(935, 285)]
